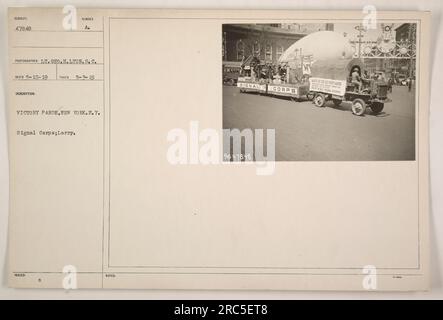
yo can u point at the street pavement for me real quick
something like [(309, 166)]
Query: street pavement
[(305, 132)]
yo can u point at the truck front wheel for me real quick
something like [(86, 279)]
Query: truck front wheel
[(358, 107)]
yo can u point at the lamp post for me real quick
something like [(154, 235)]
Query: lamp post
[(411, 40), (360, 30)]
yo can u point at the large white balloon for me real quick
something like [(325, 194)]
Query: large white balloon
[(322, 45)]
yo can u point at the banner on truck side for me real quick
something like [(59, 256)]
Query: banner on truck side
[(278, 89), (252, 86), (335, 87)]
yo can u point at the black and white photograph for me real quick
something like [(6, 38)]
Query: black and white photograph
[(331, 91)]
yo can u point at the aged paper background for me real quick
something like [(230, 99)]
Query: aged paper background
[(306, 178), (196, 226)]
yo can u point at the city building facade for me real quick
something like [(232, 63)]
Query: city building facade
[(266, 41)]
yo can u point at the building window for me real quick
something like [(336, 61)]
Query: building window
[(240, 50), (256, 49), (279, 51), (268, 52)]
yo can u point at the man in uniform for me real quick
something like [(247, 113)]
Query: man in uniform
[(356, 79)]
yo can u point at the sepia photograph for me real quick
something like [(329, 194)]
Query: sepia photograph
[(330, 91)]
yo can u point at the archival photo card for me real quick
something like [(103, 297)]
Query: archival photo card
[(228, 150)]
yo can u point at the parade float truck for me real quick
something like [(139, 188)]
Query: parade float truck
[(319, 67), (331, 80), (262, 78)]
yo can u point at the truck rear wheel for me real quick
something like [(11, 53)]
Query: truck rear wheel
[(358, 107), (320, 100), (377, 107)]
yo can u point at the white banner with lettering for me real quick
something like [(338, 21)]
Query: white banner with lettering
[(335, 87)]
